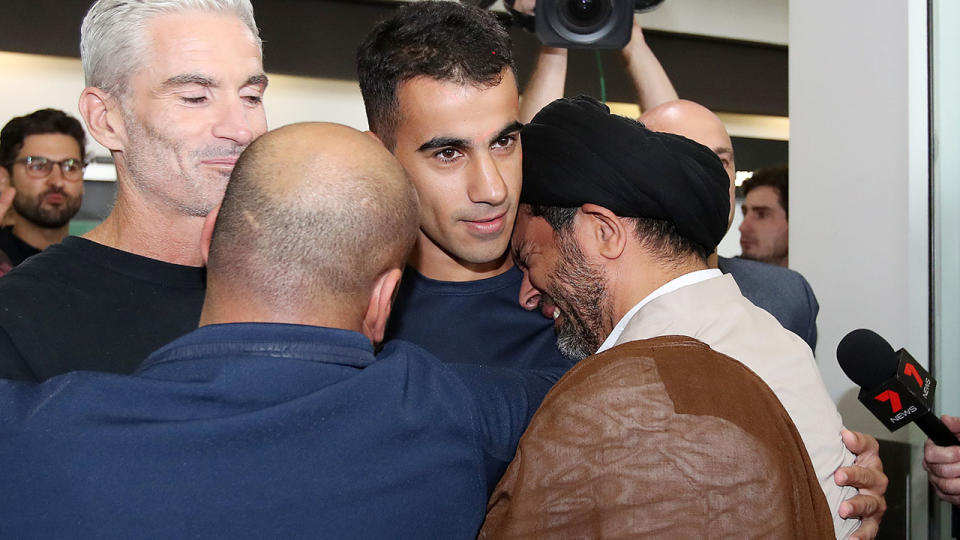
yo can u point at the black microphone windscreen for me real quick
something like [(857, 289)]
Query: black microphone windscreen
[(866, 358)]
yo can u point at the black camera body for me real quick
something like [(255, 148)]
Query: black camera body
[(593, 24)]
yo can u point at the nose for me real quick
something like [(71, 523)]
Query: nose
[(56, 177), (486, 183), (745, 225), (529, 297), (234, 123)]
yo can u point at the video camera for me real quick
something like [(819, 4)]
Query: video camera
[(591, 24)]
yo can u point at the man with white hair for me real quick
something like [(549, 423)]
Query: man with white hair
[(174, 90)]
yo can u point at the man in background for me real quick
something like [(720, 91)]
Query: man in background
[(782, 292), (764, 231), (174, 91), (440, 90), (42, 161)]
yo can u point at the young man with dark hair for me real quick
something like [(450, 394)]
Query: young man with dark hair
[(766, 214), (440, 89), (42, 161)]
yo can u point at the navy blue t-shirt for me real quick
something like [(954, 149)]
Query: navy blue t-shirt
[(474, 322)]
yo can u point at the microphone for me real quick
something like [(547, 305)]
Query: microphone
[(893, 385)]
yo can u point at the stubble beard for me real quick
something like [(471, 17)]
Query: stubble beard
[(149, 173), (578, 289)]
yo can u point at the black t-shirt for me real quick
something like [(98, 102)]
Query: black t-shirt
[(81, 305), (16, 249)]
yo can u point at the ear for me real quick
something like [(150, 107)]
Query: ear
[(4, 178), (603, 230), (101, 113), (529, 295), (206, 234), (380, 303)]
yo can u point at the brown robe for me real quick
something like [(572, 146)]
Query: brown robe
[(659, 438)]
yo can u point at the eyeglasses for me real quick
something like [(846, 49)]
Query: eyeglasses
[(41, 167)]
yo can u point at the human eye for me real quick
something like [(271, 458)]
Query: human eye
[(253, 98), (519, 260), (447, 155), (505, 142), (194, 100), (71, 165), (38, 164)]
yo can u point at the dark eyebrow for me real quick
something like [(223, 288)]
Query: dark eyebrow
[(188, 78), (459, 143), (442, 142), (513, 127)]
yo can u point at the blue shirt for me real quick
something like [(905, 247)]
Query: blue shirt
[(262, 430), (474, 322), (781, 292)]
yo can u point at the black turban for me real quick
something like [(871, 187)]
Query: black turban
[(576, 152)]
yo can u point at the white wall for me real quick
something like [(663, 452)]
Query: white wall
[(858, 175), (859, 187), (31, 82)]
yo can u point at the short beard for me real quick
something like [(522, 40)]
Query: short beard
[(579, 290), (32, 209)]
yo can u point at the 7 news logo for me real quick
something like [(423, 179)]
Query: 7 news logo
[(910, 374)]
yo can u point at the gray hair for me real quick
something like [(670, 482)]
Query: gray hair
[(112, 41)]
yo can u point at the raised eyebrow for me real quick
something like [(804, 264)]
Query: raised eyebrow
[(514, 127), (443, 142), (188, 78)]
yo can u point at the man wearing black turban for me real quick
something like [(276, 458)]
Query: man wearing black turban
[(655, 433)]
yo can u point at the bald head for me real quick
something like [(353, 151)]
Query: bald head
[(313, 212), (697, 123)]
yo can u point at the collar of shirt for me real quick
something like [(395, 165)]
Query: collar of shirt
[(670, 286)]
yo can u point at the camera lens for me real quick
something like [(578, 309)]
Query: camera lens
[(584, 16)]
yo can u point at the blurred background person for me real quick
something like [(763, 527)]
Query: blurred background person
[(763, 233), (42, 161)]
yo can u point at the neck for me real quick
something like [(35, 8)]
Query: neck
[(632, 290), (38, 237), (145, 228), (246, 308), (434, 263), (713, 261)]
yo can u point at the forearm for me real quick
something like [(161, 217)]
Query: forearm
[(546, 84), (651, 82)]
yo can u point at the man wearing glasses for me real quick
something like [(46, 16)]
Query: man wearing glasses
[(41, 162)]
